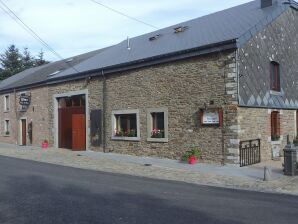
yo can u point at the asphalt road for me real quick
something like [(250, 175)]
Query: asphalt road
[(33, 192)]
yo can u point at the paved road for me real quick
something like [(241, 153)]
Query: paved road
[(32, 192)]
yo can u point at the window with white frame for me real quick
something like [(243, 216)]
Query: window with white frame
[(157, 123), (6, 103), (6, 127), (125, 125)]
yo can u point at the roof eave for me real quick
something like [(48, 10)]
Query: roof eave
[(212, 48)]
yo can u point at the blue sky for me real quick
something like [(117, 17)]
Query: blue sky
[(74, 27)]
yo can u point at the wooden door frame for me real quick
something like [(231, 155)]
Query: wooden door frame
[(55, 112), (21, 131)]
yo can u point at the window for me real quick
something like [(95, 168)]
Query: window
[(125, 125), (6, 127), (275, 126), (274, 76), (157, 123), (6, 103)]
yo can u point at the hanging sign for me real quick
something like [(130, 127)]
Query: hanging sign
[(211, 117), (24, 100)]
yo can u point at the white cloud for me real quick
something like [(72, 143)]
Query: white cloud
[(73, 27)]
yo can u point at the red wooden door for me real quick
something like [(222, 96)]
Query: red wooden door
[(24, 130), (78, 132)]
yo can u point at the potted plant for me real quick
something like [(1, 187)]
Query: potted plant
[(7, 133), (191, 156), (45, 144), (156, 133)]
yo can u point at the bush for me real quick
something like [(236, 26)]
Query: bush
[(295, 141)]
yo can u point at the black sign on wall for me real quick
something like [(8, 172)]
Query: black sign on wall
[(96, 135), (25, 100)]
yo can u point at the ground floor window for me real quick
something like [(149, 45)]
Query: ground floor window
[(275, 126), (125, 124), (6, 127), (157, 122)]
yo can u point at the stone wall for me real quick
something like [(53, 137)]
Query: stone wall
[(276, 42), (182, 87), (37, 113), (255, 123)]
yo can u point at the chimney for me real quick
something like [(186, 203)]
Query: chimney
[(267, 3)]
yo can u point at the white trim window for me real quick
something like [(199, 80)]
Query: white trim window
[(126, 125), (6, 103), (157, 125), (6, 127)]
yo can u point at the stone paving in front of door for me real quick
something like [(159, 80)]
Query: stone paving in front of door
[(231, 176)]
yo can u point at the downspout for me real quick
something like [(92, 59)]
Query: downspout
[(16, 114), (104, 86), (237, 74)]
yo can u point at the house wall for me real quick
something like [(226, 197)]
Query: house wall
[(277, 42), (37, 113), (182, 88), (256, 124)]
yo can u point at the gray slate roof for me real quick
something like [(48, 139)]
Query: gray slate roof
[(39, 75), (230, 24)]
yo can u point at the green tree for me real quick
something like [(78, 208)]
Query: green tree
[(27, 59), (40, 59), (11, 62)]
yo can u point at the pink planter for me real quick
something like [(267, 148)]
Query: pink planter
[(192, 160), (44, 145)]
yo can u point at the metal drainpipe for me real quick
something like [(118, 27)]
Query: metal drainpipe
[(16, 114), (104, 86)]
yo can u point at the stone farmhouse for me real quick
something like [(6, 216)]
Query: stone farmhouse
[(212, 82)]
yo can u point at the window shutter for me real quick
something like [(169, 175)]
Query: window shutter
[(95, 132), (278, 124)]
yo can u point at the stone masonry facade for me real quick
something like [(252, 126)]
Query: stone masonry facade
[(277, 42), (37, 113), (182, 87)]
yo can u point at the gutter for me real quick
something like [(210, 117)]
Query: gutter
[(104, 86)]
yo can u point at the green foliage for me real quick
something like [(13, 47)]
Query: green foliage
[(13, 62), (193, 152), (295, 141), (275, 138)]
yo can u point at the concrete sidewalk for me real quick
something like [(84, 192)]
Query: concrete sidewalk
[(231, 176)]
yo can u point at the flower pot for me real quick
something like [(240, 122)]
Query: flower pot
[(192, 160), (44, 145)]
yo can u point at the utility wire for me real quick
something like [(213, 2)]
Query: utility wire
[(123, 14), (18, 20)]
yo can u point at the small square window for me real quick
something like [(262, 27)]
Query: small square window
[(125, 125), (157, 123)]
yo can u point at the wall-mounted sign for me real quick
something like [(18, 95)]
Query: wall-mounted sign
[(211, 117), (24, 100)]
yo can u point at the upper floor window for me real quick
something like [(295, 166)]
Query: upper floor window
[(274, 76), (6, 103)]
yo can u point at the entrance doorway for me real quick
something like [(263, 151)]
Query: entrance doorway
[(23, 132), (72, 123)]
